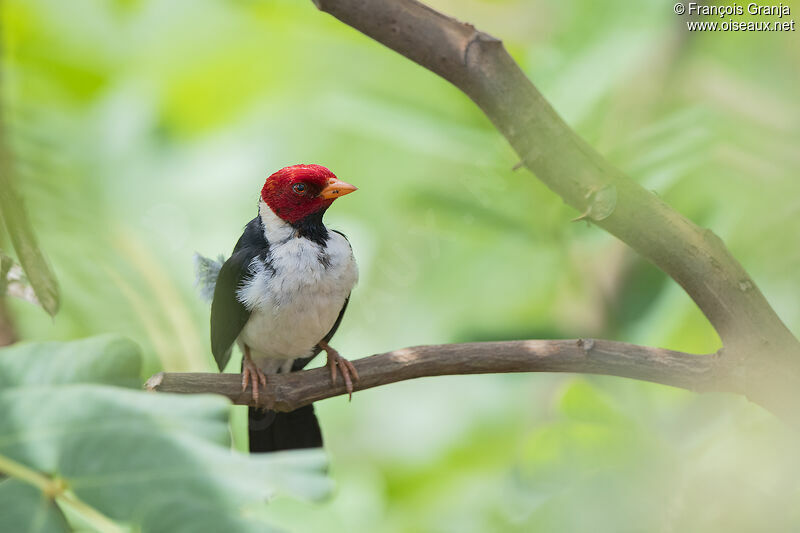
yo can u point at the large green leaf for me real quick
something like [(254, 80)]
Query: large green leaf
[(158, 462), (106, 359)]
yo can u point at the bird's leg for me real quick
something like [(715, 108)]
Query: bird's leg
[(345, 367), (252, 374)]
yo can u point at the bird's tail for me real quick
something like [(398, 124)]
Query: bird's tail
[(207, 271), (271, 431)]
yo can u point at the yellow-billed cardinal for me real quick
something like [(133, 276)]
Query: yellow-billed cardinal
[(281, 296)]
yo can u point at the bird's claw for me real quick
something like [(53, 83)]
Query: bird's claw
[(345, 368), (252, 374)]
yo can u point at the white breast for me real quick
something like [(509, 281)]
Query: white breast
[(295, 296)]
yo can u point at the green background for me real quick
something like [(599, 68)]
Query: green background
[(142, 132)]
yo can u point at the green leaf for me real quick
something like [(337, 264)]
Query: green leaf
[(107, 359), (14, 283), (24, 508), (156, 462), (149, 458), (23, 238)]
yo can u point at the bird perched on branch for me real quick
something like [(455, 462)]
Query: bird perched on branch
[(281, 296)]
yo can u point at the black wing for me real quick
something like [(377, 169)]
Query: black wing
[(228, 315)]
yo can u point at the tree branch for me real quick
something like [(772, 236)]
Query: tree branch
[(285, 392), (479, 65), (760, 357)]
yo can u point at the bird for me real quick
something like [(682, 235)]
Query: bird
[(281, 296)]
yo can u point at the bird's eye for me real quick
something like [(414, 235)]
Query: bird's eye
[(299, 188)]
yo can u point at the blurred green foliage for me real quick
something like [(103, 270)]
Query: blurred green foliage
[(142, 131)]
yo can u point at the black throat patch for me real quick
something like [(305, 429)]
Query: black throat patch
[(312, 228)]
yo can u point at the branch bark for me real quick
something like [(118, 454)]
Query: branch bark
[(286, 392), (480, 67), (760, 357)]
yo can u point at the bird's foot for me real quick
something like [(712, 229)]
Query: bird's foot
[(339, 365), (251, 374)]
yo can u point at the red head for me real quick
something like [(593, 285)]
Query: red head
[(297, 191)]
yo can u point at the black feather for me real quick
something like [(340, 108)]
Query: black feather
[(312, 228), (271, 432), (228, 314)]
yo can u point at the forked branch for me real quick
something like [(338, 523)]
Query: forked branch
[(760, 356)]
